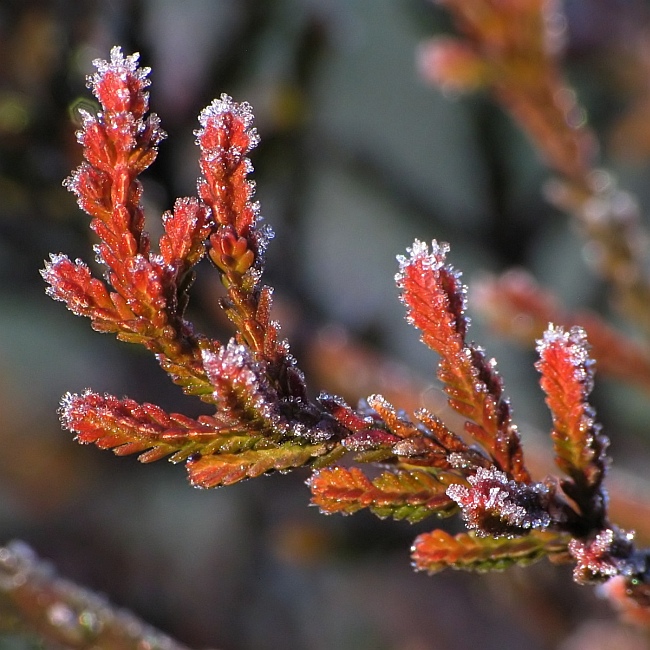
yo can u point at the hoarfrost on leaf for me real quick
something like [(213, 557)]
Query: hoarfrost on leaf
[(576, 343), (120, 64), (608, 554), (225, 105), (419, 252), (495, 506)]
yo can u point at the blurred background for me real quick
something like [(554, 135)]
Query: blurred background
[(358, 158)]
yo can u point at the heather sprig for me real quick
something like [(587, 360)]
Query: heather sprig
[(371, 456), (438, 550), (252, 381), (411, 495), (567, 379), (435, 298), (143, 297)]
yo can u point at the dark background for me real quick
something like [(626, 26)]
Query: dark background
[(358, 158)]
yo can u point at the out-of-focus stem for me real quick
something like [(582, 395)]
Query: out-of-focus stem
[(33, 600)]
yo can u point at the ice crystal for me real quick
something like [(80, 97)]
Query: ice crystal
[(81, 403), (577, 346), (225, 105), (419, 252), (263, 232), (495, 506), (213, 116), (608, 554), (235, 375), (121, 65)]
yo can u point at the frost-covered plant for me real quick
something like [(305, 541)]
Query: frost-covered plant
[(372, 456)]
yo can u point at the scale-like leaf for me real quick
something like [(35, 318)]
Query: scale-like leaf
[(567, 379), (412, 495), (73, 283), (435, 298), (241, 389), (225, 469), (128, 427), (438, 550)]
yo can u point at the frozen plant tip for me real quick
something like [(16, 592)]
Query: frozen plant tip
[(494, 506), (435, 299), (371, 456), (567, 379)]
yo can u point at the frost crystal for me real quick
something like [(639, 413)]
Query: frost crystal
[(214, 113), (608, 554), (56, 274), (495, 506), (577, 350), (74, 405), (224, 105), (234, 374), (119, 64), (419, 253), (263, 233)]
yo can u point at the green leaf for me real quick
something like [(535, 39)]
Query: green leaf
[(438, 550)]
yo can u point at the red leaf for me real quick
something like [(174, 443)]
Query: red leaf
[(434, 296), (225, 138), (567, 379), (347, 417), (119, 84), (129, 427), (435, 299), (73, 284), (186, 230), (398, 424), (241, 388)]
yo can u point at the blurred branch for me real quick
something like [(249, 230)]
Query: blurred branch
[(513, 49), (34, 600), (516, 306)]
